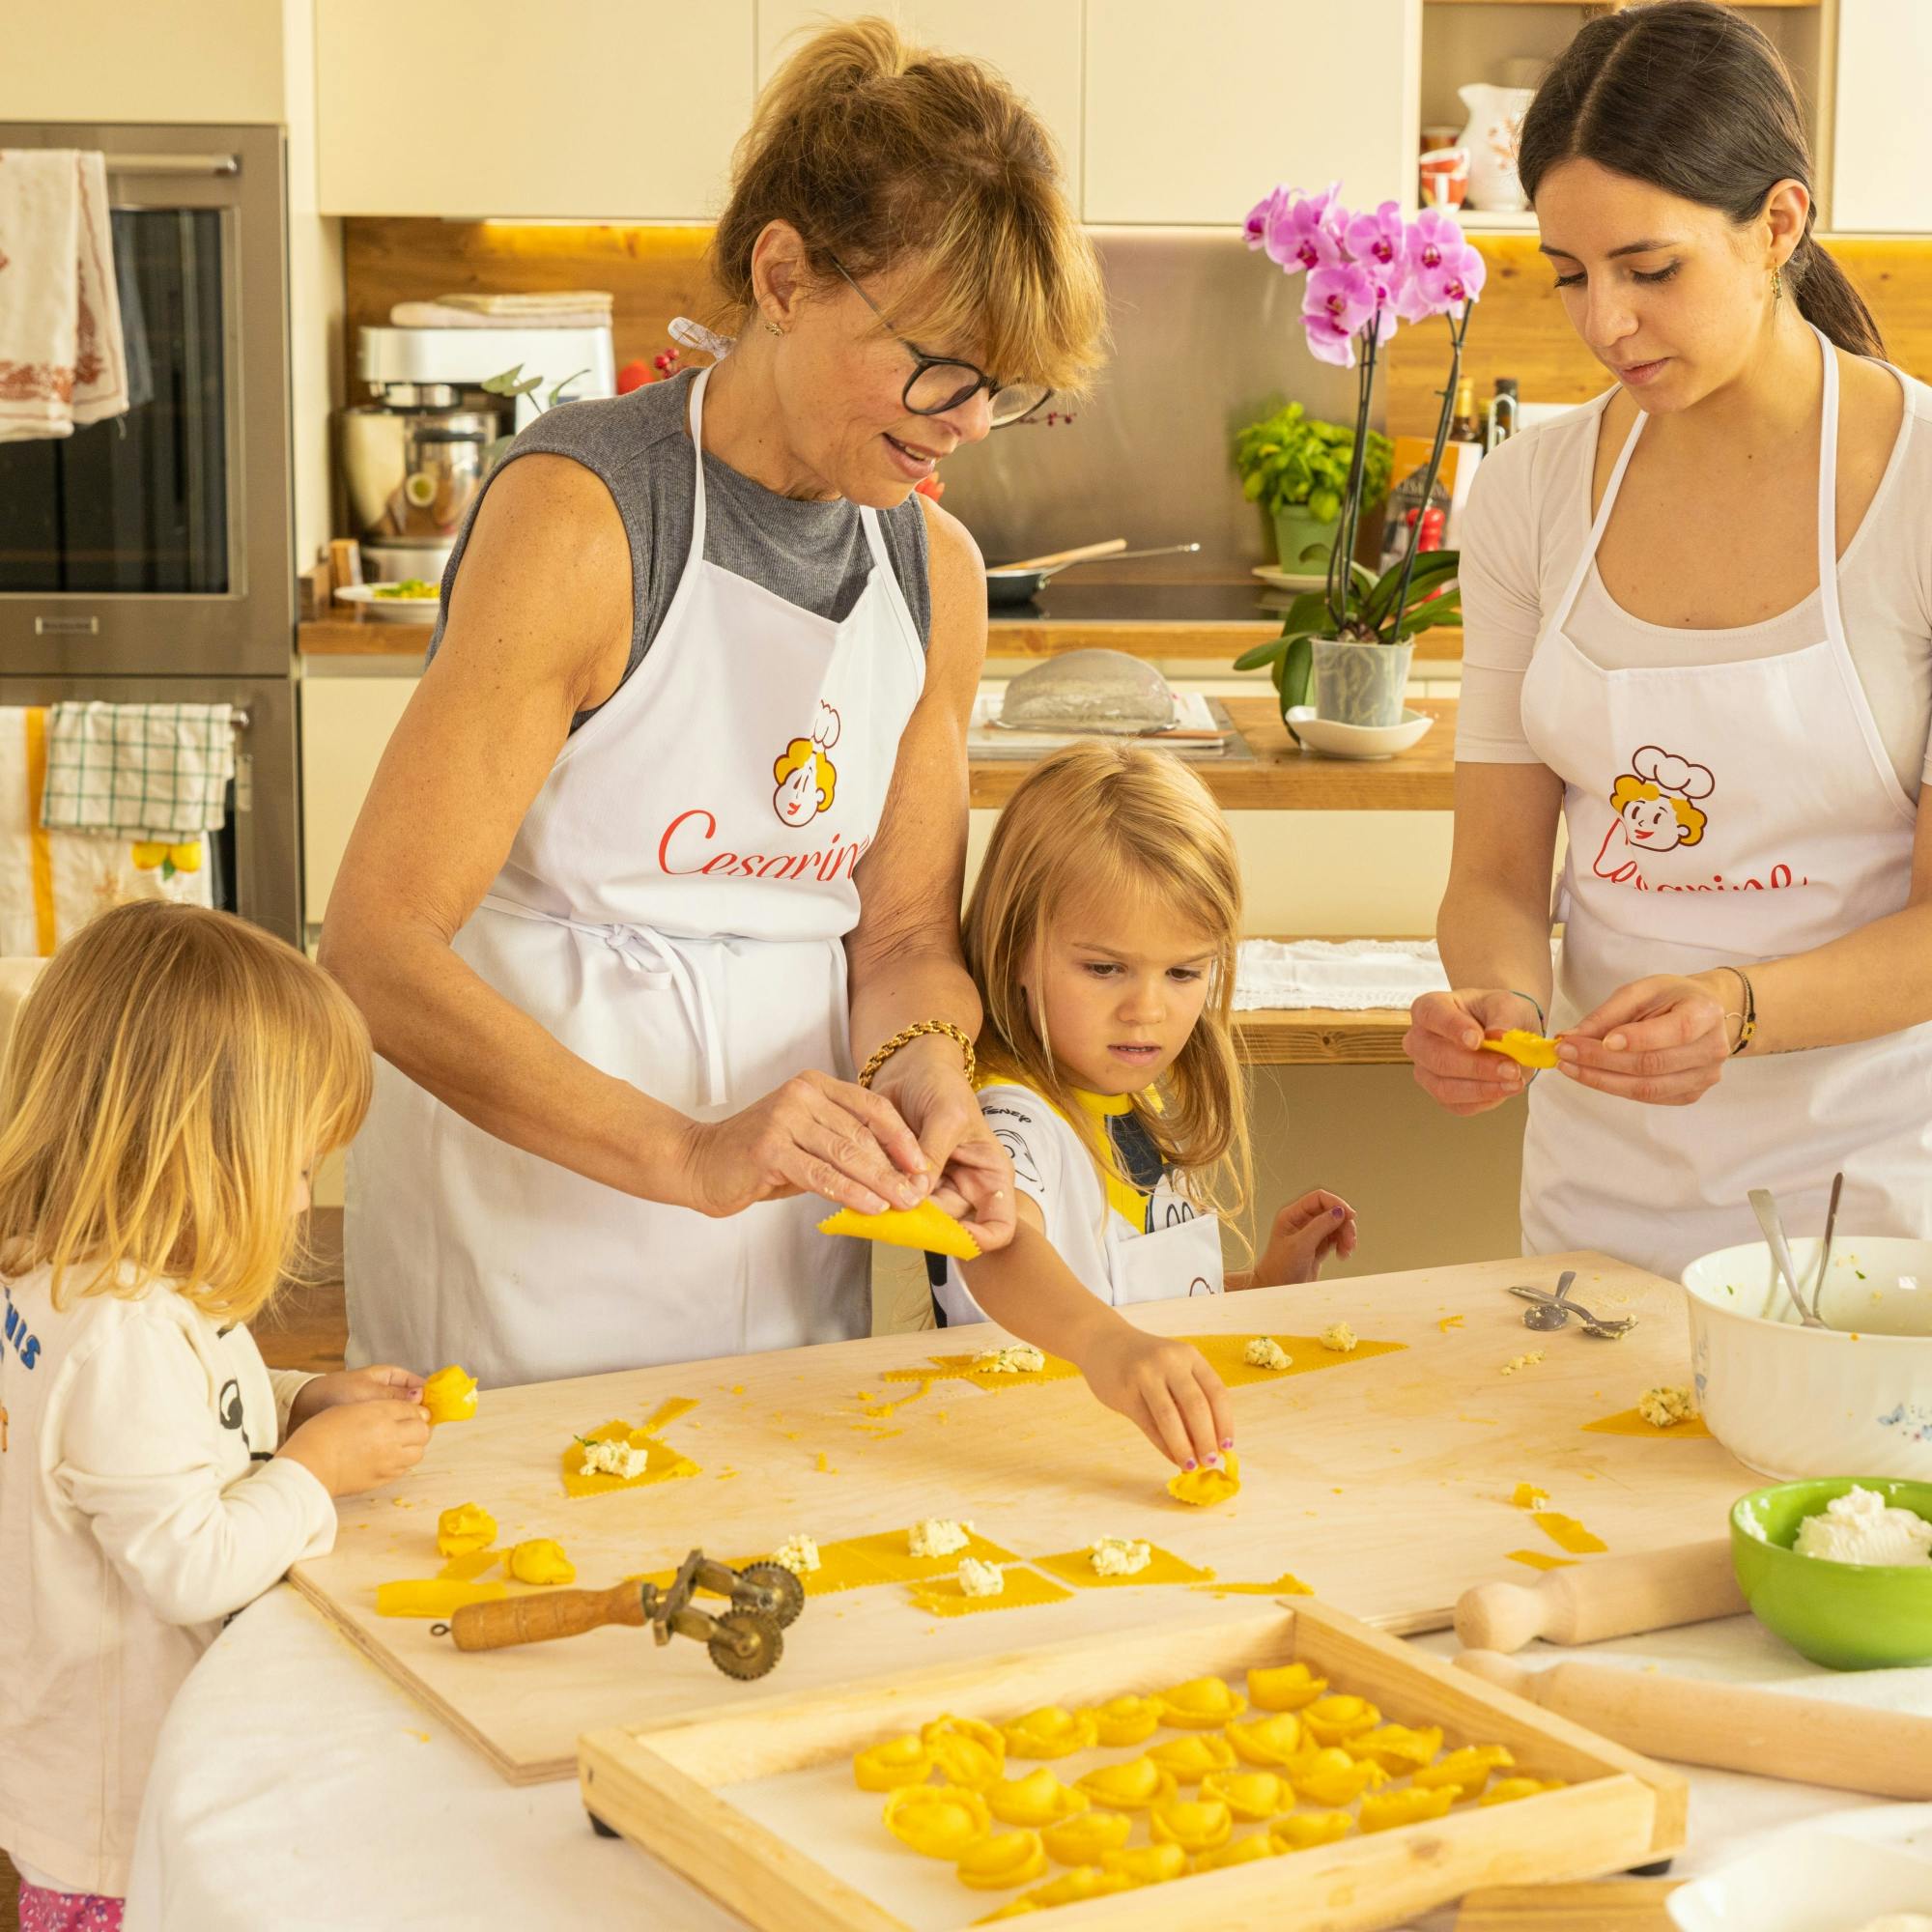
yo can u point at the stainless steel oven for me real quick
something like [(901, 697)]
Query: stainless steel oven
[(149, 557)]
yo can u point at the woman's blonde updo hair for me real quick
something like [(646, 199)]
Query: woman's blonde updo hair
[(169, 1077), (879, 153), (1125, 825)]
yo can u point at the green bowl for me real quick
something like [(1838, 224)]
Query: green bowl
[(1850, 1616)]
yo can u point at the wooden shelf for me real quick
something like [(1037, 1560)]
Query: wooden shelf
[(1283, 778), (1320, 1037)]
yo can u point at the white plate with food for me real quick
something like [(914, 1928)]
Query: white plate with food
[(1357, 741), (414, 601)]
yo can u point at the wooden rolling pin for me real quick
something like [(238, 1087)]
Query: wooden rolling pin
[(1616, 1596), (537, 1619), (1733, 1726)]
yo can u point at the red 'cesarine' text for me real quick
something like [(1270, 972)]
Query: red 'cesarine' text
[(682, 852)]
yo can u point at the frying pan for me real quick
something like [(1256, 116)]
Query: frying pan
[(1011, 584)]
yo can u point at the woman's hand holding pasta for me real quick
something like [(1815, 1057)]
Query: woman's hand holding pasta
[(1663, 1041)]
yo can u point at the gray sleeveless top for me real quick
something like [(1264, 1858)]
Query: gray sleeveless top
[(812, 554)]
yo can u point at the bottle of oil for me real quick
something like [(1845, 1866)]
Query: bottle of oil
[(1463, 426)]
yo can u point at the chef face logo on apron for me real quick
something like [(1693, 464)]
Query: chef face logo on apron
[(804, 771), (1656, 813), (1659, 810)]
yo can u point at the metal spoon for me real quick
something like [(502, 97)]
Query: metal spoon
[(1764, 1208), (1552, 1314), (1825, 1251)]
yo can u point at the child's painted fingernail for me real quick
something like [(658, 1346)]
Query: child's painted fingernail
[(1213, 1459), (1190, 1464), (1338, 1213), (1227, 1442)]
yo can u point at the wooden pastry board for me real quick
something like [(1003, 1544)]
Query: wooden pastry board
[(1384, 1483), (761, 1810)]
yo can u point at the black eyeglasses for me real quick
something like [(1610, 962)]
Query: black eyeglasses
[(942, 382)]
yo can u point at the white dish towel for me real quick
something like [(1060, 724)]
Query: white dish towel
[(143, 772), (1352, 976), (62, 360)]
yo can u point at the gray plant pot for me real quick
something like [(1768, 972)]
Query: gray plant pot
[(1360, 684)]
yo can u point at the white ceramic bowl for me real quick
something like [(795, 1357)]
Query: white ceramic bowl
[(1796, 1402), (1359, 741), (1808, 1882)]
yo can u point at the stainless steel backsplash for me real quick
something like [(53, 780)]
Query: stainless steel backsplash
[(1207, 337)]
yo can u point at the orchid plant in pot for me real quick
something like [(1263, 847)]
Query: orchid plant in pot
[(1368, 275)]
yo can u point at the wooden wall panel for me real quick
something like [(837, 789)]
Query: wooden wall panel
[(1519, 328), (657, 272)]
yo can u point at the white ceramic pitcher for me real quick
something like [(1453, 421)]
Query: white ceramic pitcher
[(1496, 120)]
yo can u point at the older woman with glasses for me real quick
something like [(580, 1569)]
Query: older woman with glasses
[(671, 838)]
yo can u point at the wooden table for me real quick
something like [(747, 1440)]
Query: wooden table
[(1384, 1480)]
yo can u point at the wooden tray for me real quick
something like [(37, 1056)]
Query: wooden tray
[(1385, 1482), (669, 1790)]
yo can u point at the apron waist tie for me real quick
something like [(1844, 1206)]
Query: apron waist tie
[(644, 950)]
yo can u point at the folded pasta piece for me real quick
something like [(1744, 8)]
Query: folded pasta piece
[(1527, 1049), (927, 1226)]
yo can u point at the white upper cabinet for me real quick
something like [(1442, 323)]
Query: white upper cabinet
[(1034, 43), (599, 108), (1884, 79), (1194, 113), (107, 60)]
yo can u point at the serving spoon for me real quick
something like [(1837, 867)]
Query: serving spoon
[(1764, 1208)]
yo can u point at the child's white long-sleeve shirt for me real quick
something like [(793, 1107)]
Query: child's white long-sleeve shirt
[(138, 1509)]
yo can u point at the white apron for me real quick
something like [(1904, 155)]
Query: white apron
[(1175, 1254), (672, 910), (1722, 814)]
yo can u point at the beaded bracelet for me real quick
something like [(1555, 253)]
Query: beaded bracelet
[(905, 1037)]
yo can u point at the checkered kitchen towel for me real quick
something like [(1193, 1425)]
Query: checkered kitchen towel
[(138, 771)]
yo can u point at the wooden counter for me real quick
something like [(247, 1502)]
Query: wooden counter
[(1200, 623), (1283, 778)]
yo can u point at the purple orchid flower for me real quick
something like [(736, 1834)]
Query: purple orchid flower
[(1379, 240), (1339, 302), (1256, 227), (1452, 283), (1304, 231)]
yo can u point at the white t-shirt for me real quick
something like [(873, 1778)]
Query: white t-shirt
[(1090, 1214), (138, 1510), (1528, 519)]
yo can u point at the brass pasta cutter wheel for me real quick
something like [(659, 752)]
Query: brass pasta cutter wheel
[(745, 1641)]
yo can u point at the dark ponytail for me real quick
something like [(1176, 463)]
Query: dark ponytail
[(1691, 98)]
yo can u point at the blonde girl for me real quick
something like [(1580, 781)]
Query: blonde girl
[(1101, 934), (169, 1081)]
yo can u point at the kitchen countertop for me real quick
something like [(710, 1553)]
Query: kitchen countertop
[(1209, 623), (1282, 777)]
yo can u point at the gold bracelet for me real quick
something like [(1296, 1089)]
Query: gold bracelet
[(905, 1037)]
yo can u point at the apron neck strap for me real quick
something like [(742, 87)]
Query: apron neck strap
[(1602, 521), (1828, 490), (698, 460)]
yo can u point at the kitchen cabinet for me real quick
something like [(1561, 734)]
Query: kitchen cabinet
[(1192, 114), (105, 59), (1884, 73), (346, 723), (1034, 45), (592, 108)]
